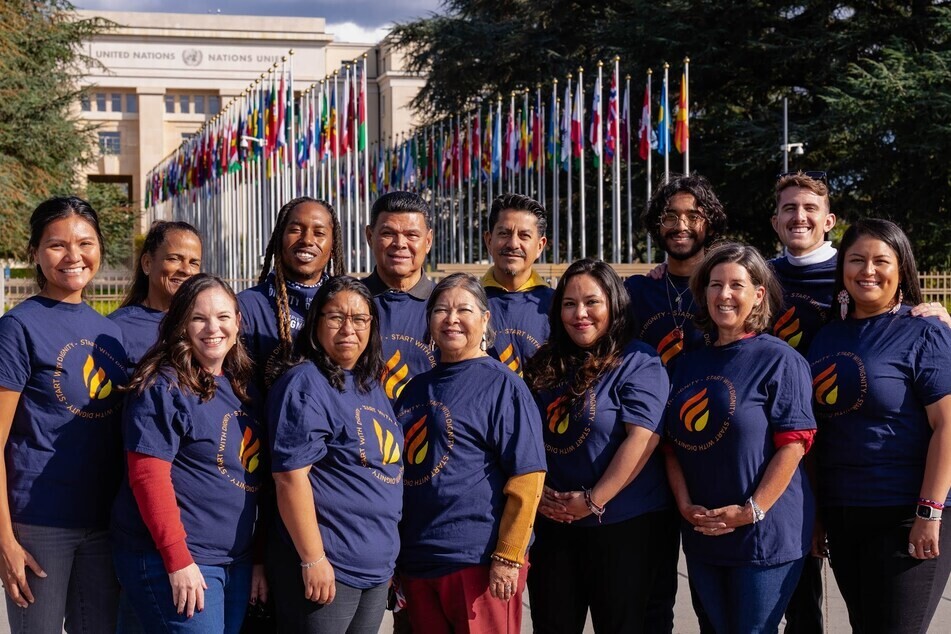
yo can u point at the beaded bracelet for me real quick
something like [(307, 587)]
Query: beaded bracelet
[(507, 562), (596, 510), (311, 564), (938, 506)]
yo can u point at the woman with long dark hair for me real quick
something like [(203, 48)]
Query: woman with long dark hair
[(61, 371), (601, 395), (883, 401), (170, 254), (336, 457), (184, 519)]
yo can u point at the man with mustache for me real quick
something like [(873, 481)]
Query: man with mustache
[(684, 217), (519, 298)]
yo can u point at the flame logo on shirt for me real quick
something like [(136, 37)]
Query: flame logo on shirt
[(670, 346), (95, 379), (417, 442), (827, 392), (395, 378), (249, 451), (787, 328), (509, 358), (694, 413), (389, 449), (557, 415)]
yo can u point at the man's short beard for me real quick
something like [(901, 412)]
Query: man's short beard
[(698, 247)]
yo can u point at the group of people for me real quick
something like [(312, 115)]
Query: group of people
[(331, 446)]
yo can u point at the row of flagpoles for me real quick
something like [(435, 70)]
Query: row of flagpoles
[(273, 143)]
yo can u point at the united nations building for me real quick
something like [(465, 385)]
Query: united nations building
[(160, 76)]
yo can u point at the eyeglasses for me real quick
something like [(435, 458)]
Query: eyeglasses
[(337, 320), (671, 220), (816, 176)]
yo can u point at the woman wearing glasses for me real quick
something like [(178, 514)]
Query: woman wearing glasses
[(336, 458)]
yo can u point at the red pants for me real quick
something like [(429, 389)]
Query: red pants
[(460, 603)]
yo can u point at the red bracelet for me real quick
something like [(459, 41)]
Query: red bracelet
[(938, 506)]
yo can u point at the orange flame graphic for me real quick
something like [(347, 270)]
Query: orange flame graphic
[(509, 358), (557, 415), (417, 443), (694, 413), (249, 451), (827, 392), (670, 346), (394, 381), (95, 379), (787, 328), (388, 448)]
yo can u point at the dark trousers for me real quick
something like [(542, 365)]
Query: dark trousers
[(885, 589), (610, 569), (663, 593), (804, 612)]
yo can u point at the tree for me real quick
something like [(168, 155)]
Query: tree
[(117, 219), (42, 143), (868, 83)]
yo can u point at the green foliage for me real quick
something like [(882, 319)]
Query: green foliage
[(42, 144), (117, 219), (868, 83)]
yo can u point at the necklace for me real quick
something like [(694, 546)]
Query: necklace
[(678, 331)]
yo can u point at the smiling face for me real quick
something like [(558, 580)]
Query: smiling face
[(514, 244), (307, 243), (585, 311), (69, 255), (400, 243), (343, 329), (457, 324), (212, 328), (802, 220), (174, 261), (731, 297), (870, 273), (685, 240)]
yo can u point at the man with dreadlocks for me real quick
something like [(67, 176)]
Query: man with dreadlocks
[(305, 248)]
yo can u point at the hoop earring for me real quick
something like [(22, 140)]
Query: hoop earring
[(901, 300), (843, 298), (484, 344)]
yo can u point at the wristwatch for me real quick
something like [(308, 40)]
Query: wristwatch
[(758, 514), (926, 512)]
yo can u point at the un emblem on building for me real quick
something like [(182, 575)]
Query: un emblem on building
[(191, 57)]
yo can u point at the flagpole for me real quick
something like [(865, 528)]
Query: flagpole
[(630, 198), (617, 162), (579, 108), (650, 158), (468, 161), (599, 153), (292, 142), (555, 167), (569, 228), (666, 130), (478, 176), (366, 159), (685, 89)]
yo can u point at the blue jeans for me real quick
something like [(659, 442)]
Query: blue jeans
[(749, 599), (80, 586), (145, 583)]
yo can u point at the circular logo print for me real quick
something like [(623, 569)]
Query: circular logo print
[(568, 424), (396, 371), (704, 409), (428, 442), (839, 384), (86, 380), (239, 451), (191, 57), (381, 441)]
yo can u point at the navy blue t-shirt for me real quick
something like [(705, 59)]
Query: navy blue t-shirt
[(404, 331), (658, 315), (140, 329), (726, 404), (807, 297), (582, 437), (521, 325), (258, 306), (872, 379), (63, 456), (468, 427), (353, 446), (219, 464)]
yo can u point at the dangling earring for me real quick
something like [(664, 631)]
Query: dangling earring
[(432, 344), (484, 345), (843, 298), (901, 299)]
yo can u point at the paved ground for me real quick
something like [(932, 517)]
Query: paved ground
[(837, 621)]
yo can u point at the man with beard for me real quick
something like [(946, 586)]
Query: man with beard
[(400, 236), (519, 298), (684, 216)]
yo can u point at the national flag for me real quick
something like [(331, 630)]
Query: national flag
[(682, 131), (610, 137), (565, 131), (497, 145), (272, 119), (511, 141), (282, 115), (644, 148), (343, 114), (577, 136), (663, 125), (594, 134), (362, 114), (626, 118), (331, 131), (551, 137)]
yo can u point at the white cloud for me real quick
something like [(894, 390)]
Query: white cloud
[(352, 32)]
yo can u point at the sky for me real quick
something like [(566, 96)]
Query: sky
[(348, 20)]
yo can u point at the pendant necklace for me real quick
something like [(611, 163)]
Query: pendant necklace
[(678, 331)]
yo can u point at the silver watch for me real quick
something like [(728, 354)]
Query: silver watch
[(758, 514)]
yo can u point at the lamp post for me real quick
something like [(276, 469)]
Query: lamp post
[(797, 148)]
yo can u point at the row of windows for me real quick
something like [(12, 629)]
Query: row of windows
[(110, 143), (114, 100), (197, 104)]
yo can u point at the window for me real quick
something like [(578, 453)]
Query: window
[(199, 104), (110, 143), (85, 103), (101, 101), (169, 104), (183, 104), (214, 104), (187, 136), (116, 102), (131, 103)]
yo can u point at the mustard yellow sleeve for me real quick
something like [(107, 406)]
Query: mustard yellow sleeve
[(523, 492)]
